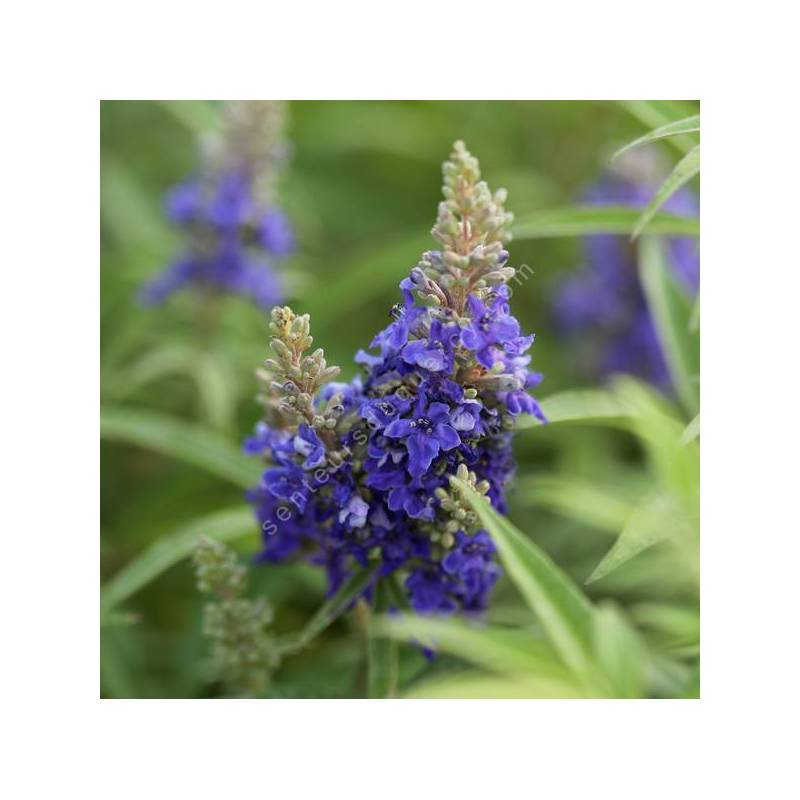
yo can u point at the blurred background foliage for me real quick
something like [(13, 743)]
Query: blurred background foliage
[(361, 189)]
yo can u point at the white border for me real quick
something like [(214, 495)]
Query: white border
[(59, 59)]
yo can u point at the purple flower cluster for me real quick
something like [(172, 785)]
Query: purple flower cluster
[(603, 308), (234, 232), (360, 473), (231, 241), (442, 393)]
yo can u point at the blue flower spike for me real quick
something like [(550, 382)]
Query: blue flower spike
[(234, 231), (359, 473)]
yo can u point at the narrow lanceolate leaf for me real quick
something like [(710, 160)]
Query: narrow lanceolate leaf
[(332, 608), (501, 650), (670, 309), (677, 626), (170, 359), (482, 686), (598, 505), (181, 440), (561, 608), (224, 526), (587, 220), (684, 171), (655, 113), (691, 432), (687, 125), (591, 406), (658, 518), (620, 653)]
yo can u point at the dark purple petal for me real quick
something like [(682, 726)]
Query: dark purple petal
[(422, 450), (436, 411), (399, 428), (447, 436)]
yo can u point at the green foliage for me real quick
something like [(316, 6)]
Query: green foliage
[(496, 649), (598, 505), (654, 520), (180, 440), (585, 220), (585, 406), (560, 607), (683, 134), (669, 511), (620, 653), (686, 169), (588, 651), (223, 526), (687, 125), (671, 310), (352, 588), (658, 113), (691, 431)]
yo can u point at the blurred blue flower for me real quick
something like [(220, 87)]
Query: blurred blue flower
[(602, 307), (233, 231)]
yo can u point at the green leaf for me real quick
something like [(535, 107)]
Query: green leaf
[(591, 406), (677, 626), (225, 526), (687, 125), (480, 686), (501, 650), (676, 467), (694, 317), (684, 171), (115, 619), (157, 363), (691, 432), (332, 608), (597, 505), (655, 113), (586, 220), (382, 663), (655, 520), (620, 652), (670, 310), (214, 382), (181, 440), (562, 609), (668, 676)]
